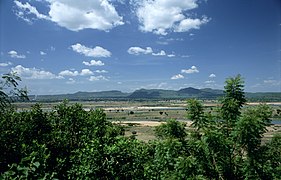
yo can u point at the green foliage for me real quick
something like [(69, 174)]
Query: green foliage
[(251, 127), (71, 143), (196, 114), (62, 131), (273, 157), (171, 129), (165, 157), (233, 100), (32, 166), (9, 90), (122, 158)]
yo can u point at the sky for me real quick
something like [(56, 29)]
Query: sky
[(66, 46)]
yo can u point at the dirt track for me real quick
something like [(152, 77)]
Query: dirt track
[(150, 123)]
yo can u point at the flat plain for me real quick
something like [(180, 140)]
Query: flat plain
[(141, 117)]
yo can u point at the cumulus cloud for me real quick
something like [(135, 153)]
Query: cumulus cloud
[(5, 64), (93, 63), (187, 24), (171, 55), (147, 50), (178, 76), (101, 71), (24, 11), (212, 76), (97, 78), (84, 72), (139, 50), (33, 73), (69, 73), (161, 53), (91, 52), (74, 15), (163, 16), (192, 70), (14, 54), (43, 53)]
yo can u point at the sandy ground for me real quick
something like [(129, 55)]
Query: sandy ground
[(149, 123), (145, 129), (271, 128), (144, 123)]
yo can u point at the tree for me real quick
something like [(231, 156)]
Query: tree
[(171, 129), (9, 90), (196, 114), (233, 100), (248, 133), (71, 143), (230, 112)]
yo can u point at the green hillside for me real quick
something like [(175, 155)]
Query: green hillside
[(155, 94)]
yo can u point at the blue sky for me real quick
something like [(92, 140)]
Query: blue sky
[(65, 46)]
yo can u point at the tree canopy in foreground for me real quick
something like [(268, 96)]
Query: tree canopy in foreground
[(71, 143)]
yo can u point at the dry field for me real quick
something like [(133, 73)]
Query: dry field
[(145, 129), (142, 117)]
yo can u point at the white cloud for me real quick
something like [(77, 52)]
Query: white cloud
[(14, 54), (70, 81), (42, 53), (178, 76), (97, 78), (25, 10), (33, 73), (101, 71), (187, 24), (93, 63), (147, 50), (212, 76), (161, 53), (69, 73), (91, 52), (74, 15), (139, 50), (86, 72), (209, 82), (162, 16), (192, 70), (171, 55), (5, 64)]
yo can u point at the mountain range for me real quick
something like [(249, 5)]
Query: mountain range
[(155, 94)]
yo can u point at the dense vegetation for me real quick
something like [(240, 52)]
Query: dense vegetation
[(71, 143)]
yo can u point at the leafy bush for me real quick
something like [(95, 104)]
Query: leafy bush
[(171, 129), (71, 143)]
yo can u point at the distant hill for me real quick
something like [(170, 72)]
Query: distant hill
[(155, 94), (189, 90), (82, 96)]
